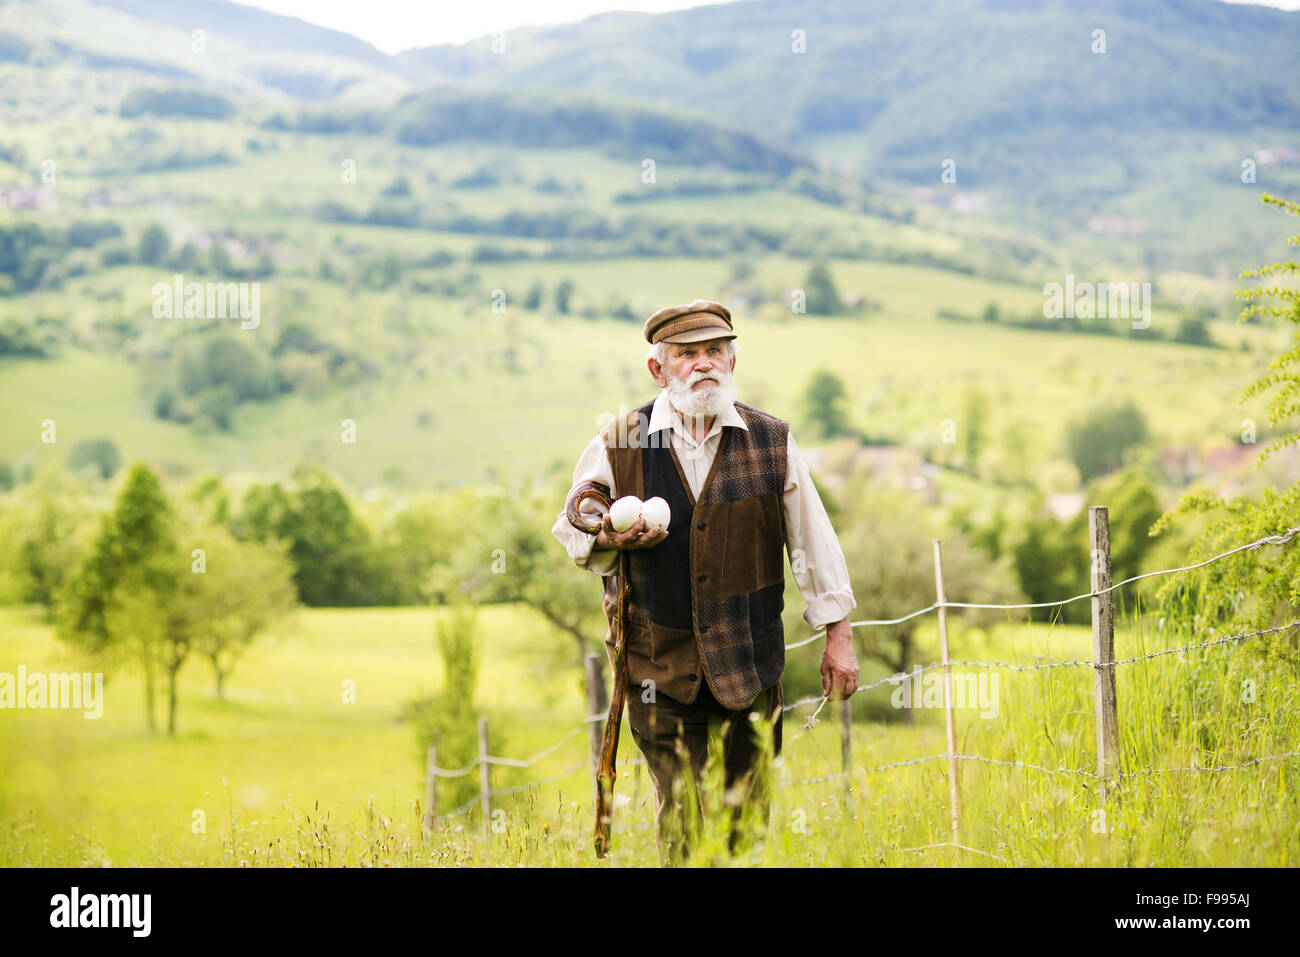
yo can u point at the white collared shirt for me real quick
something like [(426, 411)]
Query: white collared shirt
[(823, 575)]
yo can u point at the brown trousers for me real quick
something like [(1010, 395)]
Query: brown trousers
[(674, 738)]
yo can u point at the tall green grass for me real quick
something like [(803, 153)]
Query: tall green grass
[(285, 777)]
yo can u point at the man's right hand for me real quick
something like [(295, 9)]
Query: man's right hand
[(634, 537)]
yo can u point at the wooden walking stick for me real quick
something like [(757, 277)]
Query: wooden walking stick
[(605, 771)]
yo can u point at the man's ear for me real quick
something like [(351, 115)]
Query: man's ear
[(657, 373)]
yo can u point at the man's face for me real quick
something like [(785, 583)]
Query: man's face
[(697, 375)]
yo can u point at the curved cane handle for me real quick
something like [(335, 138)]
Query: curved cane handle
[(572, 508)]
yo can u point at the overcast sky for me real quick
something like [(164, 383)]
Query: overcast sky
[(394, 25)]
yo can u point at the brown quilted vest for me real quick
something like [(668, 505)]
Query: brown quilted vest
[(706, 603)]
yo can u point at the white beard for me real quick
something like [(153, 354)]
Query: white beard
[(688, 401)]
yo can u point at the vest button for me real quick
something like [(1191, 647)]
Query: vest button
[(692, 677), (701, 525), (702, 577)]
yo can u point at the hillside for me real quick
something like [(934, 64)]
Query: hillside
[(1128, 158)]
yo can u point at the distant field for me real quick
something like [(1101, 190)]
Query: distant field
[(905, 372)]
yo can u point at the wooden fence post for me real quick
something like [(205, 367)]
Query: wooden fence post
[(1103, 646), (947, 689), (431, 786), (597, 703), (484, 776)]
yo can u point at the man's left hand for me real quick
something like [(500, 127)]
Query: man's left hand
[(839, 663)]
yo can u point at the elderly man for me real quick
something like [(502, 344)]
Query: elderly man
[(705, 644)]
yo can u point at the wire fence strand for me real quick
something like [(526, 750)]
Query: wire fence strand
[(1279, 539), (898, 678)]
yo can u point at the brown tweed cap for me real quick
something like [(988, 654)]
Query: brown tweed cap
[(693, 322)]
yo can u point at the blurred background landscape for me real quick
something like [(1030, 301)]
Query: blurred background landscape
[(455, 248)]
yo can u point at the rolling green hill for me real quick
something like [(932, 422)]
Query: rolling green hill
[(1128, 157)]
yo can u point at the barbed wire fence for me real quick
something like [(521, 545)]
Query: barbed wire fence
[(1108, 771)]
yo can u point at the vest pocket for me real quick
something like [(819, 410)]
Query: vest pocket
[(753, 555)]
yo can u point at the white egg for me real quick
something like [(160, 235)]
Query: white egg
[(656, 513), (624, 512)]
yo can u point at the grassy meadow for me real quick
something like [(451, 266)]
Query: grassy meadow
[(287, 774)]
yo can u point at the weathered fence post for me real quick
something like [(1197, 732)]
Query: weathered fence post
[(947, 689), (484, 777), (431, 786), (597, 703), (1103, 645)]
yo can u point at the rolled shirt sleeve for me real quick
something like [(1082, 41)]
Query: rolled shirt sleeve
[(593, 466), (816, 559)]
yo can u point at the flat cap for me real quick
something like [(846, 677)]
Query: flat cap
[(693, 322)]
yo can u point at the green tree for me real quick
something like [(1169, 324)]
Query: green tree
[(329, 545), (886, 534), (1193, 331), (1050, 558), (102, 454), (219, 360), (822, 299), (1050, 555), (41, 531), (413, 543), (1133, 506), (563, 294), (241, 590), (186, 259), (219, 258), (117, 599), (824, 400), (1257, 588), (509, 555), (155, 245), (1099, 440), (209, 496), (536, 293)]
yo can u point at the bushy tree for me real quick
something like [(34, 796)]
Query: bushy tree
[(1100, 440), (328, 544), (563, 295), (116, 600), (40, 532), (887, 537), (1260, 587), (821, 297), (100, 453), (155, 245), (824, 400), (509, 554), (241, 589)]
